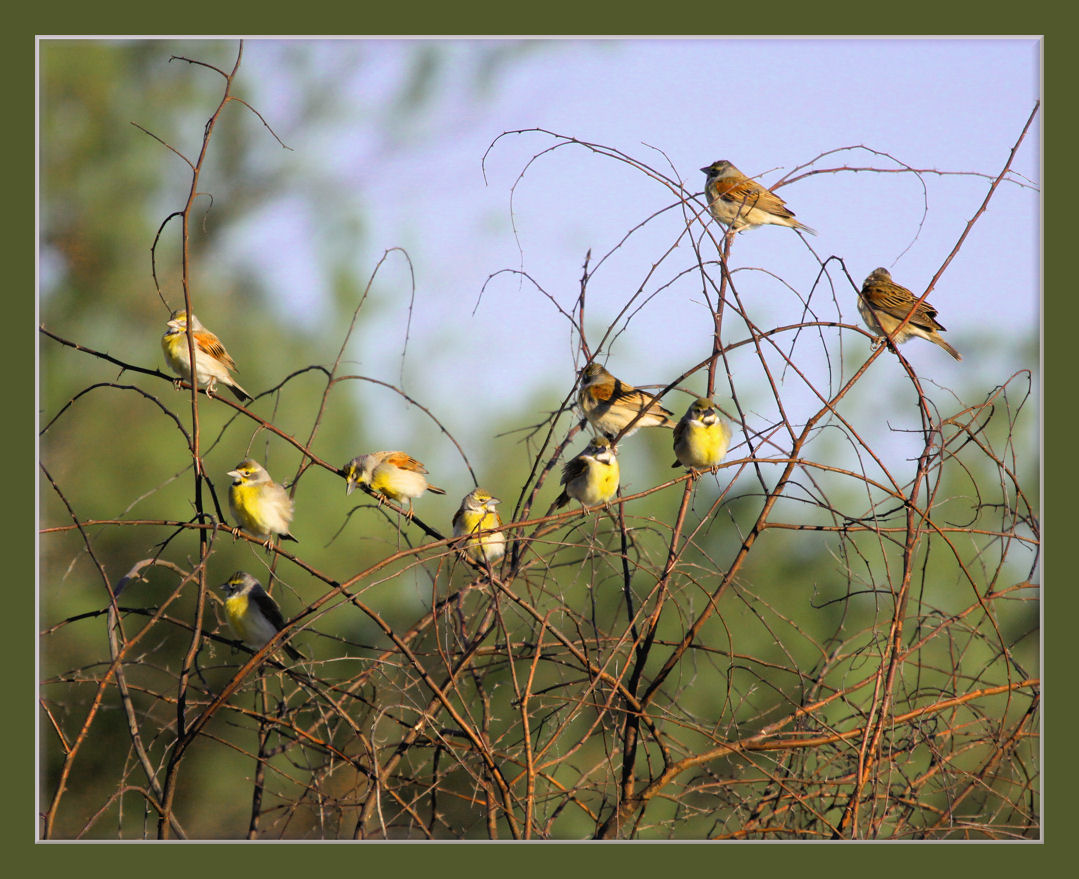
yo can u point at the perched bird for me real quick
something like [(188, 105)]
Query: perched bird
[(392, 474), (741, 203), (212, 362), (477, 513), (252, 614), (610, 404), (883, 304), (591, 477), (261, 506), (701, 438)]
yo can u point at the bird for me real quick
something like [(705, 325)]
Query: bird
[(252, 614), (701, 438), (212, 362), (740, 203), (261, 506), (591, 477), (610, 404), (883, 304), (394, 475), (477, 513)]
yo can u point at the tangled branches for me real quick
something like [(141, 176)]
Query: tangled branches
[(831, 635)]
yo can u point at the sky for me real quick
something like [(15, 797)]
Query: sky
[(476, 218), (766, 105)]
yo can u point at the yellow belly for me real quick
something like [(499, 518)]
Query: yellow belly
[(489, 546), (247, 622), (598, 485), (398, 484), (704, 446)]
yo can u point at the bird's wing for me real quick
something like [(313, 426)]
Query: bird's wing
[(896, 300), (574, 468), (269, 609), (680, 428), (208, 343), (627, 395), (405, 462), (751, 194)]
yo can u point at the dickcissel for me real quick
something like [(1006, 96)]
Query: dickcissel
[(212, 362), (883, 304), (261, 506), (701, 438), (252, 614), (477, 513), (394, 475), (591, 477), (741, 203), (610, 404)]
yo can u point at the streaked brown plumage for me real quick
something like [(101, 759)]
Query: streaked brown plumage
[(610, 404), (739, 202), (883, 304)]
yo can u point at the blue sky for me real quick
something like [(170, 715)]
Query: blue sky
[(766, 105), (370, 182)]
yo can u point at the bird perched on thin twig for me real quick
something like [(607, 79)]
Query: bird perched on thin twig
[(394, 475), (883, 304), (739, 202), (212, 362), (252, 614), (261, 506), (591, 477), (477, 513), (701, 438), (610, 404)]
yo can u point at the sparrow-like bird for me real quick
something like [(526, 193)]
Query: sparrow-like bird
[(212, 362), (883, 304), (394, 475), (740, 203), (477, 513), (701, 438), (252, 614), (261, 506), (591, 477), (610, 404)]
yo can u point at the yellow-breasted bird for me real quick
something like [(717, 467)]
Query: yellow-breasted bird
[(212, 362), (610, 404), (394, 475), (477, 513), (701, 438), (883, 304), (739, 202), (252, 614), (261, 506), (591, 477)]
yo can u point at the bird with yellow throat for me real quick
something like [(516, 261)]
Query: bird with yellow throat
[(253, 615)]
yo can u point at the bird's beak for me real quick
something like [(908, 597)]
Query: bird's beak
[(350, 484), (235, 474), (705, 169)]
